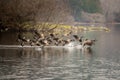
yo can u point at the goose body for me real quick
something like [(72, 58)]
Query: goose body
[(89, 42)]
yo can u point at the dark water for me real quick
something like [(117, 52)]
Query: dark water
[(101, 63)]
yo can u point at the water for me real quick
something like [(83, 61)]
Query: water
[(57, 63)]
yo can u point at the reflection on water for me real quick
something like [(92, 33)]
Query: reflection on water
[(101, 62), (55, 64)]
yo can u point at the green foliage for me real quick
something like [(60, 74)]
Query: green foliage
[(117, 17), (90, 6), (75, 5)]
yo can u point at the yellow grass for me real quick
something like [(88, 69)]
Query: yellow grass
[(59, 27)]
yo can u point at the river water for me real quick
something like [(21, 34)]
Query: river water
[(102, 62)]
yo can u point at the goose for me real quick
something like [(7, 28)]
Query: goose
[(79, 39), (68, 34), (42, 36), (60, 42), (49, 39), (45, 43), (88, 43), (76, 37), (69, 43), (38, 35), (52, 35), (22, 39)]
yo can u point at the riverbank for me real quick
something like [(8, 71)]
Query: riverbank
[(50, 27), (10, 36)]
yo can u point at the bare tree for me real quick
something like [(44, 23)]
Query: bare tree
[(14, 13)]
